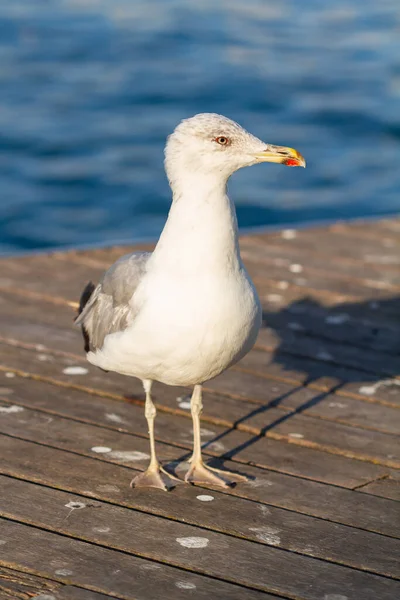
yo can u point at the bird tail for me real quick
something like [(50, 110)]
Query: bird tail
[(84, 302)]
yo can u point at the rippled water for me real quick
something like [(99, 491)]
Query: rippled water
[(91, 88)]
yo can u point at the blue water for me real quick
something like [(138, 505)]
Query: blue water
[(91, 88)]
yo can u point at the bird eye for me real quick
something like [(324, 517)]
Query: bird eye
[(222, 140)]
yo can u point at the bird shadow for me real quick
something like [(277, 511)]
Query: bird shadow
[(327, 347)]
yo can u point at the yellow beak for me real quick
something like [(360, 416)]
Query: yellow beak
[(281, 155)]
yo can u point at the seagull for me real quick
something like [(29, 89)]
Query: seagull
[(187, 311)]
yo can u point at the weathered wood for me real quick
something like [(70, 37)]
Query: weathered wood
[(275, 253), (332, 437), (315, 404), (386, 389), (337, 438), (340, 243), (322, 376), (18, 585), (29, 322), (30, 273), (259, 390), (283, 295), (331, 352), (125, 417), (337, 326), (70, 592), (305, 461), (75, 472), (387, 487), (284, 254), (366, 551), (15, 585), (116, 573), (318, 279), (349, 411)]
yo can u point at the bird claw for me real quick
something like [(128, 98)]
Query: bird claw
[(200, 473), (152, 478)]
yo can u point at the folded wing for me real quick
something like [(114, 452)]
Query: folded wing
[(108, 307)]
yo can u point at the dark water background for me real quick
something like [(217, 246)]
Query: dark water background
[(91, 88)]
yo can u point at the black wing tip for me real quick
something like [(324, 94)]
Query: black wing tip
[(84, 299), (85, 296)]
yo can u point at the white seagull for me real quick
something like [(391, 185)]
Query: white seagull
[(187, 311)]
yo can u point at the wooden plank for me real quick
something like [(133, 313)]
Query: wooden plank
[(380, 230), (277, 380), (331, 352), (80, 438), (243, 404), (345, 410), (32, 325), (70, 592), (69, 278), (111, 572), (379, 448), (281, 340), (282, 254), (125, 417), (391, 224), (259, 450), (250, 386), (332, 242), (304, 273), (386, 389), (365, 551), (261, 264), (322, 376), (32, 322), (18, 585), (273, 293), (334, 325), (281, 455), (75, 471), (387, 487), (279, 295), (31, 273), (259, 390), (15, 585)]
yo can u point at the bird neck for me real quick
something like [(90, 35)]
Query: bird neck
[(201, 230)]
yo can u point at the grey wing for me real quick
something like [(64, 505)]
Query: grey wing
[(106, 308)]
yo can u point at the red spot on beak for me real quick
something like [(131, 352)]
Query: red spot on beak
[(292, 162)]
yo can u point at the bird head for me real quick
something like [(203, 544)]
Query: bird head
[(211, 143)]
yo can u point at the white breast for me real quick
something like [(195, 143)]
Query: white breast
[(189, 337), (196, 309)]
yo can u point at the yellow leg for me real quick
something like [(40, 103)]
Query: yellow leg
[(152, 476), (198, 472)]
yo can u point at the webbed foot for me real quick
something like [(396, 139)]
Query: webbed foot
[(155, 477), (202, 474)]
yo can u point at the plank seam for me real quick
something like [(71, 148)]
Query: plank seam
[(168, 443), (102, 459), (385, 476), (51, 485), (21, 569), (231, 425), (302, 251), (365, 282), (334, 390), (202, 528), (202, 573)]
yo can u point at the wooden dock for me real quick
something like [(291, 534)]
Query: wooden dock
[(311, 414)]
